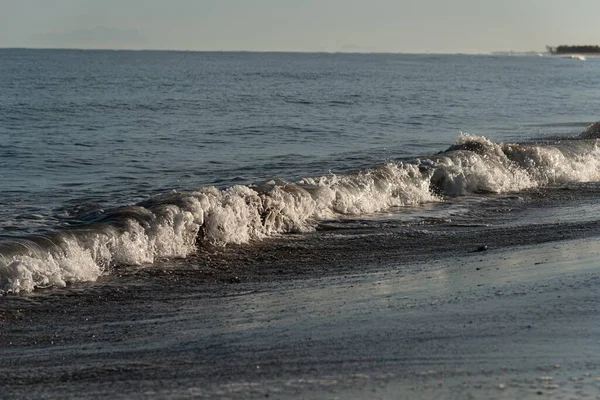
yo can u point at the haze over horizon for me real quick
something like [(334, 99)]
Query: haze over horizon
[(406, 26)]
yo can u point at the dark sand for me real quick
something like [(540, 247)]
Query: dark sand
[(390, 311)]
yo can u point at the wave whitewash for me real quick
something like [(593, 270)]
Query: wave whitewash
[(173, 225)]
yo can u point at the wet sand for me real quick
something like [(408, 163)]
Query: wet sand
[(391, 312)]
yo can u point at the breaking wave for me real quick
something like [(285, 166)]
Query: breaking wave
[(173, 225)]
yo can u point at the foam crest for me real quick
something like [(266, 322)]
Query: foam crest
[(68, 262), (174, 224), (84, 255), (568, 161), (476, 165), (170, 225)]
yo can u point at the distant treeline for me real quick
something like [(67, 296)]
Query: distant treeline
[(573, 49)]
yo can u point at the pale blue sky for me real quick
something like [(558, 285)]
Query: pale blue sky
[(301, 25)]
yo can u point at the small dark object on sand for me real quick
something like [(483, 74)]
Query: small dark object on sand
[(482, 248)]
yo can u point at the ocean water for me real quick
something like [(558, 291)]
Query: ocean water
[(128, 158)]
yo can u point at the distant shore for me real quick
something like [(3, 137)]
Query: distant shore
[(564, 50)]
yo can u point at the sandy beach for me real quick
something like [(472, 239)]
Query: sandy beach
[(427, 316)]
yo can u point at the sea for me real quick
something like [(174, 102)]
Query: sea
[(112, 160)]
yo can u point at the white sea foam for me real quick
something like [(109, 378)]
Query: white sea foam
[(70, 262), (85, 255), (550, 165), (171, 225), (476, 165)]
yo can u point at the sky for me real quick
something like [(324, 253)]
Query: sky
[(407, 26)]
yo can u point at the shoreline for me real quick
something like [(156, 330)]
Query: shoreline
[(515, 321), (395, 310)]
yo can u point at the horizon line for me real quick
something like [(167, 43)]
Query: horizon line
[(491, 52)]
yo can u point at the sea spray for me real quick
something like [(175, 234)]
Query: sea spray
[(476, 165)]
